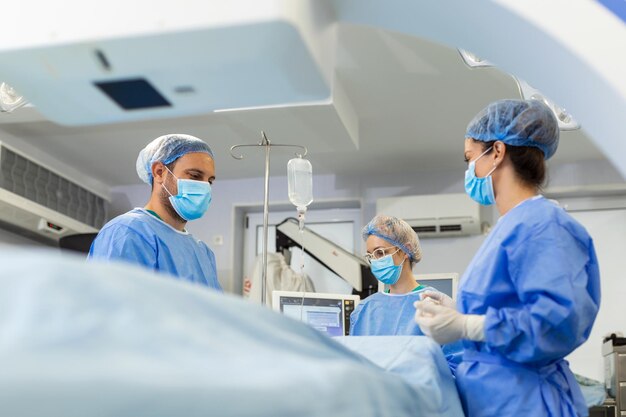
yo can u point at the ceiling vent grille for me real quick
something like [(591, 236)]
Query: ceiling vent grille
[(34, 197)]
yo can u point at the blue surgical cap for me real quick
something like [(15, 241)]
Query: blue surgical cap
[(397, 232), (517, 123), (167, 149)]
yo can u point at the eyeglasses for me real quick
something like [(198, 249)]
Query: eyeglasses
[(378, 253)]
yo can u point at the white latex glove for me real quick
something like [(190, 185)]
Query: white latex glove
[(446, 325), (440, 297)]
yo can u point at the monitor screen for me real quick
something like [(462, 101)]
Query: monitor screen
[(328, 313), (446, 283)]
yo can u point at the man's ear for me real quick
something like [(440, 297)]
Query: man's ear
[(158, 172)]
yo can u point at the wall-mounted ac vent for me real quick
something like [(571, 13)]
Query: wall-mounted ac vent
[(438, 215), (37, 199), (446, 228), (425, 229)]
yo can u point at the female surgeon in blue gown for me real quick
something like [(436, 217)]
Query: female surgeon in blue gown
[(392, 249), (531, 294)]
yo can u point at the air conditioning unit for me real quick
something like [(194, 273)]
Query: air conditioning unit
[(438, 215), (39, 200)]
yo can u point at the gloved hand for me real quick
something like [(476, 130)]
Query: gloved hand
[(440, 297), (446, 325)]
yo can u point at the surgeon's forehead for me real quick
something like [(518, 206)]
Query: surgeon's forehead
[(197, 160), (374, 242), (471, 146)]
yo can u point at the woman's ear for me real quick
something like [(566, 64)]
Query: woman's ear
[(499, 152), (406, 258)]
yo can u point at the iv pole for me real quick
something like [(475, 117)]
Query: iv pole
[(267, 144)]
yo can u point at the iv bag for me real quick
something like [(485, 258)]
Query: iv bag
[(300, 183)]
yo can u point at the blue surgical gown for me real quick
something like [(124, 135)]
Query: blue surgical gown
[(536, 280), (383, 314), (140, 238)]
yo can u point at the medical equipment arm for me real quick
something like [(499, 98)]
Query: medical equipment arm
[(346, 265)]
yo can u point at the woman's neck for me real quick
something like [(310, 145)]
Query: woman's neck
[(406, 283), (510, 191)]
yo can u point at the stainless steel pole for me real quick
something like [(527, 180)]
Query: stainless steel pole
[(266, 142)]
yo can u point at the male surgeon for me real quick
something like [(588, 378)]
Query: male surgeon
[(180, 169)]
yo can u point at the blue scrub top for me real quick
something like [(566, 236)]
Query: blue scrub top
[(140, 238), (383, 314), (536, 280)]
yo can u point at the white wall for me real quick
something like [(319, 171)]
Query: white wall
[(227, 194), (608, 228), (440, 255), (584, 173)]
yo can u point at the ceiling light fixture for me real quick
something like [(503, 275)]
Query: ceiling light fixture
[(473, 61), (527, 92), (10, 99), (565, 119)]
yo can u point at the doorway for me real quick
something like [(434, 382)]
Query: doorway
[(341, 226)]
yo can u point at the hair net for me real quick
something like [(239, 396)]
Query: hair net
[(517, 123), (167, 149), (397, 232)]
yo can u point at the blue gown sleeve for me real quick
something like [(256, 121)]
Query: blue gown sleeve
[(557, 281), (119, 242), (354, 317), (213, 266), (454, 355)]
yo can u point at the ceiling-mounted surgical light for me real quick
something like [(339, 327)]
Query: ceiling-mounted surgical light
[(565, 119), (10, 99), (472, 60)]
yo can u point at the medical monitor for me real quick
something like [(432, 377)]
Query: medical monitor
[(328, 313), (446, 283)]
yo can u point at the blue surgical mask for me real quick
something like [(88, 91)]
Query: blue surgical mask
[(385, 270), (193, 198), (479, 189)]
